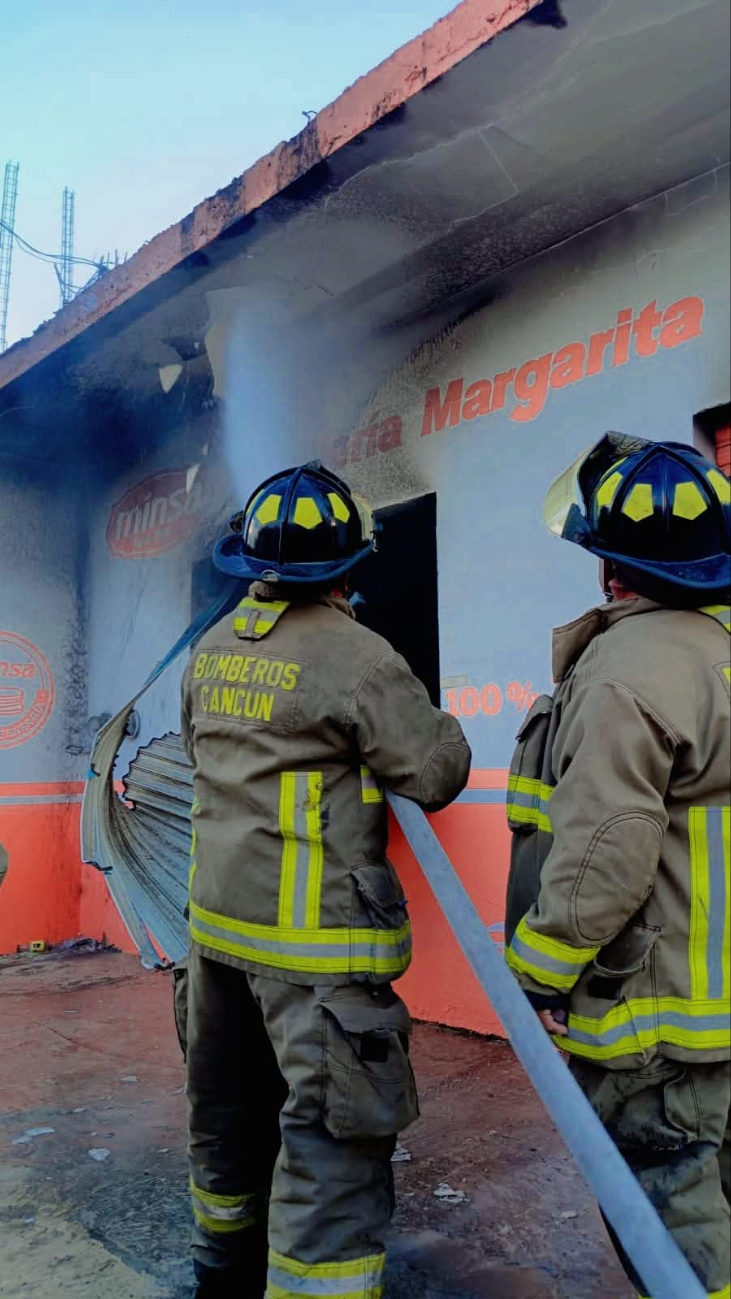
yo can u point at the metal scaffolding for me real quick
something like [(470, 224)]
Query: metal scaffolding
[(7, 239), (66, 271)]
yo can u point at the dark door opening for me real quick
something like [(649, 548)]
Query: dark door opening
[(399, 585)]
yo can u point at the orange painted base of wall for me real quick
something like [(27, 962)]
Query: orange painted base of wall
[(39, 899), (440, 986), (98, 916), (48, 895)]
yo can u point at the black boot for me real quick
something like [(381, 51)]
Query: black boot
[(228, 1283)]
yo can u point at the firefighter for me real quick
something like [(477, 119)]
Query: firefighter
[(297, 719), (618, 900)]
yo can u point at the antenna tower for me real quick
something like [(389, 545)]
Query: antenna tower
[(66, 272), (7, 239)]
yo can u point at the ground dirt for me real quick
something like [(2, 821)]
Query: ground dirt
[(88, 1048)]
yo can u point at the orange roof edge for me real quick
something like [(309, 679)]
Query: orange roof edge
[(372, 97)]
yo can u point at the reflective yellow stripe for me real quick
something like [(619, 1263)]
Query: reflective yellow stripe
[(528, 802), (721, 612), (526, 785), (311, 936), (330, 1271), (281, 1292), (562, 982), (220, 1201), (547, 960), (371, 791), (222, 1214), (330, 951), (270, 611), (700, 901), (264, 606), (219, 1227), (530, 816), (645, 1022), (287, 793), (316, 852), (710, 874), (300, 825), (361, 1278), (394, 966)]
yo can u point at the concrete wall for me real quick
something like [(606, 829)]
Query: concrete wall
[(503, 580), (43, 647)]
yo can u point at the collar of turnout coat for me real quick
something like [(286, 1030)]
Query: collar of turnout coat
[(570, 641), (265, 591)]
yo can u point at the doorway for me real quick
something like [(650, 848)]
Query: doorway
[(399, 587)]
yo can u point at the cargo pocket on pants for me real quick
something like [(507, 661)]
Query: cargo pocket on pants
[(369, 1085), (682, 1111)]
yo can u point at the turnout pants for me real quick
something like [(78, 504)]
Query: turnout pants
[(671, 1123), (296, 1095)]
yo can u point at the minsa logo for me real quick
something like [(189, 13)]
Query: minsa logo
[(157, 515), (26, 690)]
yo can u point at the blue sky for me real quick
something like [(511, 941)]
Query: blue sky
[(150, 106)]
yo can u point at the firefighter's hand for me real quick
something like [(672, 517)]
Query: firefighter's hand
[(554, 1022)]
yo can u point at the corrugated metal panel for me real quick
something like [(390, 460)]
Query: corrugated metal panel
[(146, 835), (141, 841)]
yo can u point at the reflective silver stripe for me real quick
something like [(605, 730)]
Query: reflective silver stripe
[(648, 1023), (718, 849), (359, 1283), (374, 949), (520, 799), (545, 962), (371, 790), (224, 1215), (302, 868)]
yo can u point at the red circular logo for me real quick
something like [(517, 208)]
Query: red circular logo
[(26, 690)]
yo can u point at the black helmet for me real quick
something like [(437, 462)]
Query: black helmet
[(658, 509), (302, 525)]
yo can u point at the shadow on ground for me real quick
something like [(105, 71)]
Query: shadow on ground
[(88, 1049)]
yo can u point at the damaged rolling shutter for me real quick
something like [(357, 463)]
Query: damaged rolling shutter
[(141, 839)]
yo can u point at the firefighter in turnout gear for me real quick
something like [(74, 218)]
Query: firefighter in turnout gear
[(619, 803), (297, 720)]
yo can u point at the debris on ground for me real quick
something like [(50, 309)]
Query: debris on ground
[(401, 1156), (30, 1134), (99, 1154), (445, 1193), (82, 945)]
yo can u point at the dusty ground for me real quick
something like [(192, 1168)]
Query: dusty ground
[(87, 1048)]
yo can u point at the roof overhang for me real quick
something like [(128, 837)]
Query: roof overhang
[(501, 132)]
